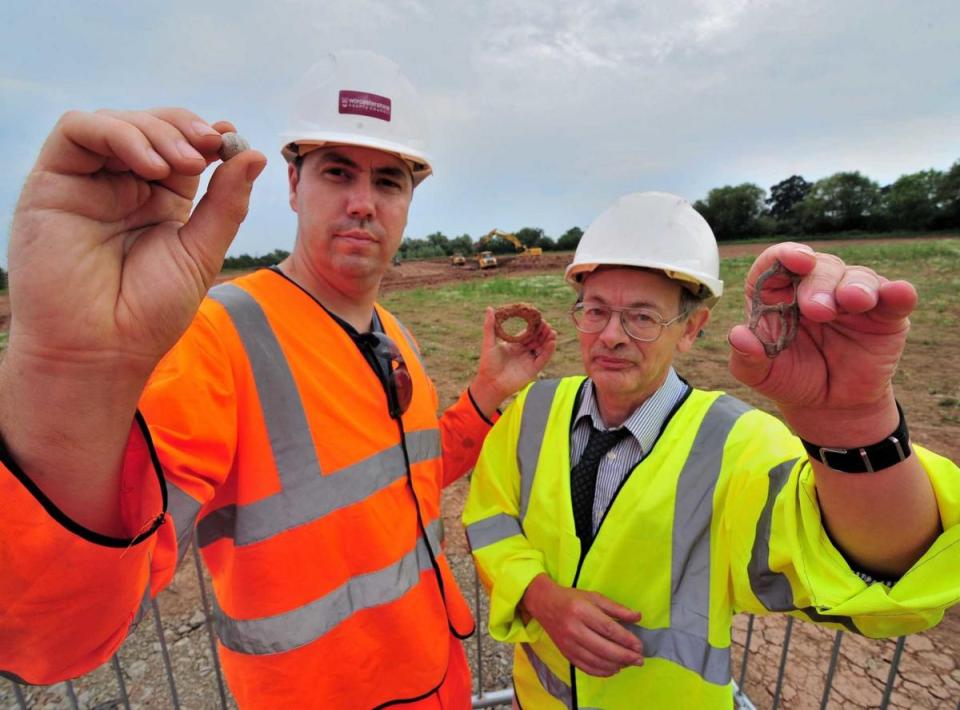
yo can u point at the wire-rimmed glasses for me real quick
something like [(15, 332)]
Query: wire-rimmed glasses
[(641, 324)]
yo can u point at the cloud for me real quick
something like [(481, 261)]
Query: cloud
[(542, 112)]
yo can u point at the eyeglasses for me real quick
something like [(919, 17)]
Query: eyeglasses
[(640, 324), (399, 383)]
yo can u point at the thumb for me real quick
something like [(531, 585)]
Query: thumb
[(489, 337), (748, 362), (218, 215)]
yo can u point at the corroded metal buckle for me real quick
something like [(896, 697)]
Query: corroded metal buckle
[(787, 313)]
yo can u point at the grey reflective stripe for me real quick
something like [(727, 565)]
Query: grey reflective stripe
[(692, 515), (533, 425), (493, 529), (692, 652), (318, 497), (183, 509), (434, 534), (550, 681), (686, 641), (306, 494), (301, 626), (773, 588), (286, 421)]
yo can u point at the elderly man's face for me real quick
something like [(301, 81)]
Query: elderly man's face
[(624, 369)]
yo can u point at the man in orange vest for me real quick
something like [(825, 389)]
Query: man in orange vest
[(286, 418)]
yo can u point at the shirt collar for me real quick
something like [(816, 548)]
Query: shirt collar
[(646, 421)]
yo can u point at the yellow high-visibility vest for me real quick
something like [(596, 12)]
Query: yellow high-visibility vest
[(720, 517)]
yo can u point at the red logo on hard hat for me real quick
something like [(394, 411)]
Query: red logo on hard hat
[(364, 104)]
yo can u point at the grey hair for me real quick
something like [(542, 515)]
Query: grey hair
[(691, 302)]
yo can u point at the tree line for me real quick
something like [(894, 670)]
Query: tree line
[(843, 202)]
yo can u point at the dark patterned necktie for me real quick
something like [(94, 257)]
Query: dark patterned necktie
[(583, 479)]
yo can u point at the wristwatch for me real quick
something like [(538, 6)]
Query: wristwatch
[(865, 459)]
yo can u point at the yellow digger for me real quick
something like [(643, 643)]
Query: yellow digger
[(487, 260)]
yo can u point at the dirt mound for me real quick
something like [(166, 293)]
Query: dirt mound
[(432, 272)]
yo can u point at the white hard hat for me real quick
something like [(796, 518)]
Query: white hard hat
[(653, 230), (358, 98)]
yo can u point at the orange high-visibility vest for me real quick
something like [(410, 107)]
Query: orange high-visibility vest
[(331, 586)]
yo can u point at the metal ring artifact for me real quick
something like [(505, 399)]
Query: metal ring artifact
[(787, 313), (525, 311)]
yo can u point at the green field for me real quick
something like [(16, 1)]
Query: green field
[(447, 322)]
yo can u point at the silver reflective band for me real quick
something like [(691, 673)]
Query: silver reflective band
[(686, 641), (533, 424), (317, 497), (492, 530), (771, 588), (307, 495), (303, 625), (286, 422), (550, 681), (692, 652), (183, 509)]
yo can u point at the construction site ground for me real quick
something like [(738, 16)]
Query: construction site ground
[(929, 671)]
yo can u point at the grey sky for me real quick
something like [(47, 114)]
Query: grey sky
[(542, 113)]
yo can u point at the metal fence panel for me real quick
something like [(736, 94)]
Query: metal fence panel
[(13, 695)]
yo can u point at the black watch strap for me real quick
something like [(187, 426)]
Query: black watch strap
[(865, 459)]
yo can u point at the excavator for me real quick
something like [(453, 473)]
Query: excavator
[(486, 259)]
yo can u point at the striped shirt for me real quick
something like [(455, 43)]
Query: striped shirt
[(644, 426)]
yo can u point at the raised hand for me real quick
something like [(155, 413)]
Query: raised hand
[(107, 269), (852, 329), (506, 367), (106, 261)]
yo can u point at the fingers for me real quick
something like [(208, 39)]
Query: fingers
[(82, 143), (607, 626), (748, 362), (218, 215), (798, 258), (829, 286), (541, 344), (605, 646), (816, 294), (897, 300), (603, 659), (621, 613), (149, 143), (169, 136)]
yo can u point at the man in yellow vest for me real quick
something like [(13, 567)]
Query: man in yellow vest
[(620, 520), (287, 418)]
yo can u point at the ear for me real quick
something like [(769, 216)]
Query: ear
[(692, 326), (293, 178)]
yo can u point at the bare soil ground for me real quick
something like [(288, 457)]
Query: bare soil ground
[(929, 674)]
